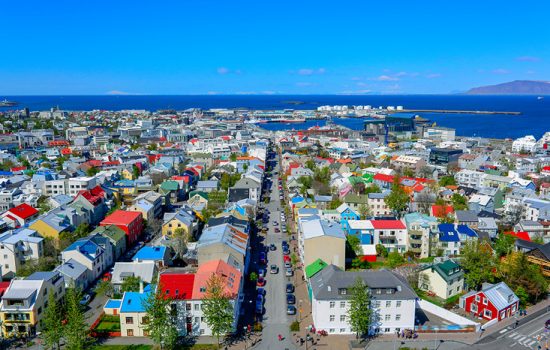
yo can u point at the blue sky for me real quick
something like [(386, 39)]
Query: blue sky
[(267, 47)]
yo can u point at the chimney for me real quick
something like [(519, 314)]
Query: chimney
[(141, 286), (329, 289)]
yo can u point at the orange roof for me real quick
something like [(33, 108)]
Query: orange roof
[(344, 161), (231, 276), (246, 158), (442, 211)]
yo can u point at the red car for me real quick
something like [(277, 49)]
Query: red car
[(260, 282)]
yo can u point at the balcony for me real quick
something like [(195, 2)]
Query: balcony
[(416, 250), (415, 239)]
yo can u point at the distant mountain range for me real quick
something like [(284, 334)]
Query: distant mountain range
[(516, 87)]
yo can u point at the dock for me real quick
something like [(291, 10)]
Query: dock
[(450, 111)]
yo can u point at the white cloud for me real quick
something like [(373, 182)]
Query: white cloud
[(355, 92), (433, 75), (118, 92), (222, 70), (500, 71), (309, 71), (528, 59), (386, 78)]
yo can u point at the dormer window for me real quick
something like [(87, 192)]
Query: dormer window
[(342, 291)]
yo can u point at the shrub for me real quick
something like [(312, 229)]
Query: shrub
[(295, 326)]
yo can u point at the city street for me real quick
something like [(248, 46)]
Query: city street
[(528, 335), (275, 319)]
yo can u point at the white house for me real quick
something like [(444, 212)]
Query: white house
[(17, 247), (392, 300)]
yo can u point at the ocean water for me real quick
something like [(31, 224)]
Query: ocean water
[(534, 118)]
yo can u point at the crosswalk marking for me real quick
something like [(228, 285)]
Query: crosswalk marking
[(531, 343), (538, 330), (504, 330), (520, 340), (511, 335)]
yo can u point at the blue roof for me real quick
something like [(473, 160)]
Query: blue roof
[(113, 304), (134, 302), (297, 199), (87, 247), (447, 233), (5, 173), (150, 253), (466, 230)]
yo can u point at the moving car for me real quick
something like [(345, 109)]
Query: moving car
[(274, 269), (272, 247), (277, 230)]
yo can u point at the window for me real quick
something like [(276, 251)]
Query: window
[(145, 320), (331, 318), (387, 330), (129, 320), (196, 307), (331, 304), (388, 303), (130, 332), (202, 331), (331, 330), (197, 319), (488, 313), (397, 317), (485, 301), (342, 330), (145, 333), (387, 318), (342, 318), (342, 304), (398, 303), (473, 307), (342, 291), (478, 298)]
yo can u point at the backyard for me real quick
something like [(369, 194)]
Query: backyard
[(109, 323)]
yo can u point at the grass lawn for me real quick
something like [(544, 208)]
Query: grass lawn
[(109, 324)]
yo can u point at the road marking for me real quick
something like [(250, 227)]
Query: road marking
[(531, 343), (512, 345), (515, 336), (521, 339), (538, 330), (504, 330), (511, 334)]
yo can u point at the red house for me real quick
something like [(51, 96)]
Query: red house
[(494, 301), (20, 215), (177, 285), (130, 222)]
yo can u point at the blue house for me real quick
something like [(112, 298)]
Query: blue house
[(159, 255), (361, 229), (452, 237), (346, 214)]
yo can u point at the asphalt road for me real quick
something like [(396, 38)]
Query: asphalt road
[(528, 335), (275, 319)]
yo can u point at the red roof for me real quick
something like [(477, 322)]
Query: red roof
[(18, 168), (171, 282), (442, 211), (383, 177), (93, 196), (520, 235), (23, 211), (546, 168), (66, 151), (387, 224), (3, 287), (95, 162), (121, 217)]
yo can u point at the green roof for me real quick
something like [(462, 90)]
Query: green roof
[(356, 198), (493, 172), (169, 185), (200, 193), (313, 268), (113, 232), (368, 177)]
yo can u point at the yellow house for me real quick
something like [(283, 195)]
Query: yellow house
[(127, 174), (179, 220), (50, 225)]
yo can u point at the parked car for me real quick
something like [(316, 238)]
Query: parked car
[(289, 288), (259, 308), (260, 299), (290, 299), (291, 310), (286, 251), (288, 264), (261, 272), (284, 244), (85, 299), (274, 269), (289, 272), (263, 258), (260, 282), (286, 258), (260, 291)]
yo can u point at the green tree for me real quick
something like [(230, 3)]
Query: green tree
[(408, 172), (92, 171), (130, 284), (364, 211), (310, 164), (478, 263), (52, 330), (233, 157), (373, 188), (381, 251), (459, 202), (395, 259), (398, 199), (179, 242), (354, 244), (160, 322), (135, 171), (360, 313), (216, 308), (447, 181), (253, 276), (82, 230), (334, 203), (504, 244), (76, 330)]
